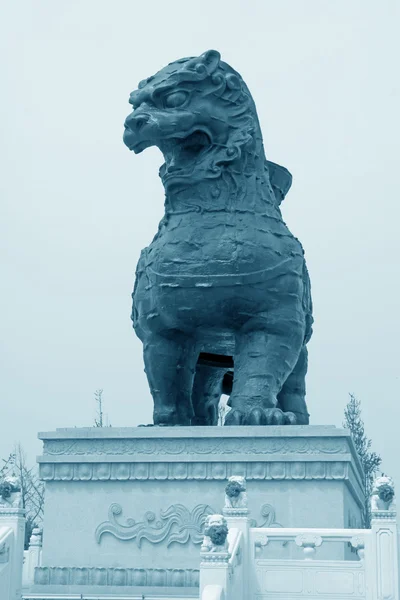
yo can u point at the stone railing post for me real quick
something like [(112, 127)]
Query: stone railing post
[(214, 565), (381, 554), (12, 515), (32, 557), (236, 513)]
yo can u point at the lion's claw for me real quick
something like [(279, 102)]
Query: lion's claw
[(260, 416)]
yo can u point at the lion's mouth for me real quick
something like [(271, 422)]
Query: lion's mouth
[(182, 152)]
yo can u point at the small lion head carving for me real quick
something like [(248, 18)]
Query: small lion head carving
[(235, 486), (382, 497), (216, 529), (384, 488), (235, 493), (10, 489)]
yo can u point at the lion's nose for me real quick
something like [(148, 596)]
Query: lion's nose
[(136, 122)]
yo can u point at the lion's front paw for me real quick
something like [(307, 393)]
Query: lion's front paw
[(260, 416)]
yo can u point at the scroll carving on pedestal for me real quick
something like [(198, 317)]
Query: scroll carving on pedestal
[(176, 524)]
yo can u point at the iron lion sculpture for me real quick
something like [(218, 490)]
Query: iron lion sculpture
[(222, 299)]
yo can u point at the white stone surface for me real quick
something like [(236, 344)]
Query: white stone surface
[(371, 574), (32, 558), (137, 498), (7, 583), (12, 520)]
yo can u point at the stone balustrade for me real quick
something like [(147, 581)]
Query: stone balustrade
[(368, 569), (32, 558), (239, 560), (6, 555)]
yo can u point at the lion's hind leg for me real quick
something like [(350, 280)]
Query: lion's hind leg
[(207, 391), (170, 362)]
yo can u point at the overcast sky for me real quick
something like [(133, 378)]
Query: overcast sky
[(77, 206)]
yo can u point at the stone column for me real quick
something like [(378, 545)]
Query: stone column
[(236, 513), (32, 557), (214, 565), (13, 515), (382, 552)]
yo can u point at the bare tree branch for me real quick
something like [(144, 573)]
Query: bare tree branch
[(32, 489)]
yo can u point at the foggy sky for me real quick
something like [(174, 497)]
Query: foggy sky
[(77, 206)]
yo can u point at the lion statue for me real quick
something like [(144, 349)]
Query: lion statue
[(10, 492), (222, 299), (215, 534), (235, 493), (382, 497)]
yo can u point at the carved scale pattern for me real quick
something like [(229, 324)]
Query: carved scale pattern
[(192, 471), (205, 446), (116, 576)]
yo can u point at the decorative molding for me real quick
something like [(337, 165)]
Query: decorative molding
[(306, 540), (113, 576), (260, 539), (358, 542), (177, 471), (205, 446), (268, 513), (11, 512), (389, 515), (176, 524), (236, 512), (214, 559)]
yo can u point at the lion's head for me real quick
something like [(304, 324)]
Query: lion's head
[(216, 529), (201, 115)]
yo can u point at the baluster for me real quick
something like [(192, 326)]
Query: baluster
[(308, 542)]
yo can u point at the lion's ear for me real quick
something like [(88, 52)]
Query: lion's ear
[(211, 60)]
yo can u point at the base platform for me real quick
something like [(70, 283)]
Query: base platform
[(125, 507)]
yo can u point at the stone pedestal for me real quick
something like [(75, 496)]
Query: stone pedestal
[(125, 507)]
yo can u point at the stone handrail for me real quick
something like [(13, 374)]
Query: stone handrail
[(221, 576), (376, 571), (213, 592), (12, 518), (235, 565), (310, 539), (6, 553)]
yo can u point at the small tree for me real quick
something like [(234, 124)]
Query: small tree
[(101, 420), (32, 489), (98, 395), (370, 460)]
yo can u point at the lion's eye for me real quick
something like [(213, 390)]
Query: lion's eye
[(175, 99)]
